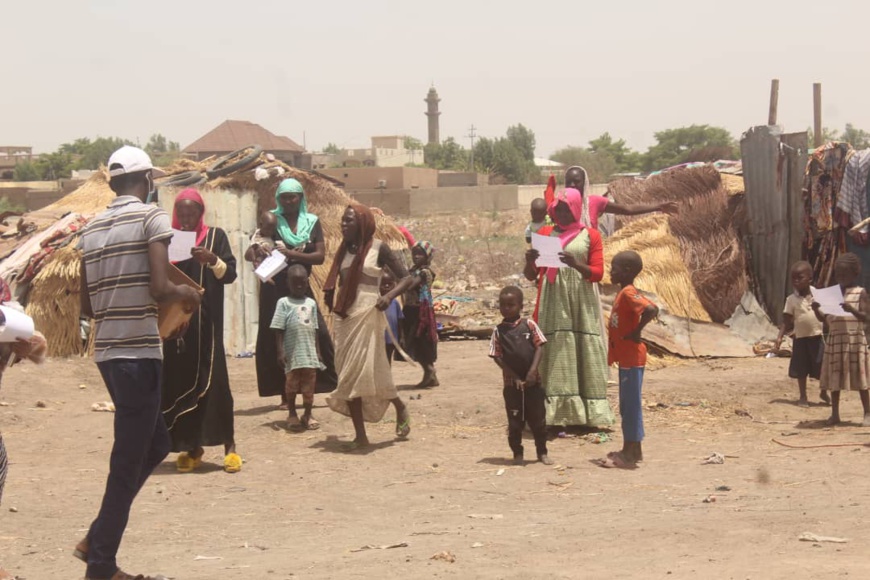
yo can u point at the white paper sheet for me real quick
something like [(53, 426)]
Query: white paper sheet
[(829, 300), (549, 250), (181, 244), (271, 266), (17, 325)]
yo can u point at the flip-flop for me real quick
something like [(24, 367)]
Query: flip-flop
[(233, 463), (403, 429), (185, 463), (295, 426), (311, 425)]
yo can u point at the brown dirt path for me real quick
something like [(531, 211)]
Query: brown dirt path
[(300, 508)]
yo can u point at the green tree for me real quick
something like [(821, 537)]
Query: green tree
[(93, 154), (858, 138), (484, 155), (331, 148), (523, 139), (625, 158), (448, 156), (27, 171), (510, 162), (162, 151), (412, 144), (600, 166), (693, 143), (57, 165)]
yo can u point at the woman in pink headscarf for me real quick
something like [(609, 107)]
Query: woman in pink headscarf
[(197, 402), (574, 364)]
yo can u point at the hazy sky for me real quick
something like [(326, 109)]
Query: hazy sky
[(344, 70)]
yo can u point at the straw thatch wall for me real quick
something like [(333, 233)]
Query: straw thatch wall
[(54, 302), (664, 270), (89, 199), (706, 228)]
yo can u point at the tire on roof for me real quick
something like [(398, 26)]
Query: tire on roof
[(181, 179), (235, 161)]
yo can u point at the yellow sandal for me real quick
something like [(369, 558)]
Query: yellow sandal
[(185, 463), (232, 463)]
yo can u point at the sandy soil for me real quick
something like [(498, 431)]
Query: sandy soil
[(302, 509)]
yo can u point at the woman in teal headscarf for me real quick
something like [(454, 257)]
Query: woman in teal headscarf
[(302, 237)]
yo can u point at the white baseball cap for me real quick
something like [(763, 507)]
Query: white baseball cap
[(131, 160)]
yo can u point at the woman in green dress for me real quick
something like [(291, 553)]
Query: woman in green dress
[(574, 364)]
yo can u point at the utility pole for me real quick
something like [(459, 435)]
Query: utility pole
[(472, 135)]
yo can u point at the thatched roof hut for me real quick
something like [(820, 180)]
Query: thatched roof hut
[(707, 231), (233, 204)]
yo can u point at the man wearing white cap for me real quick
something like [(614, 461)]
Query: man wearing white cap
[(124, 275)]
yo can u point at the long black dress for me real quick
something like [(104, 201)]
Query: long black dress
[(197, 402), (270, 376)]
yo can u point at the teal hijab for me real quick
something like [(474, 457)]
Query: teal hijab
[(305, 222)]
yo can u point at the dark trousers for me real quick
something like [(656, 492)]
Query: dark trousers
[(141, 443), (526, 407)]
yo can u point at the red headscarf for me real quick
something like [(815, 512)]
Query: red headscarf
[(347, 293), (191, 194), (574, 200)]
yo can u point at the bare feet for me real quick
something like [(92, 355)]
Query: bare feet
[(866, 421), (355, 445), (803, 403), (833, 420), (825, 397)]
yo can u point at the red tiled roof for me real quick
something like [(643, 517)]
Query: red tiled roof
[(233, 135)]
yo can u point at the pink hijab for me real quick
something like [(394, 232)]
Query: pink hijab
[(574, 199), (191, 194)]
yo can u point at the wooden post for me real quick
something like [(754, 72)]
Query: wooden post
[(818, 137), (774, 101)]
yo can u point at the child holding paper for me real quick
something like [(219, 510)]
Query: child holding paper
[(798, 319), (846, 361)]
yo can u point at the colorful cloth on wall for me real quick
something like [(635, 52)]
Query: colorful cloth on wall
[(852, 203), (824, 237), (825, 172)]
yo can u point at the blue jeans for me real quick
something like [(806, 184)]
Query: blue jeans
[(141, 443), (630, 403)]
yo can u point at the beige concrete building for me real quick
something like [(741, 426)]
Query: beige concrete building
[(383, 178), (386, 151)]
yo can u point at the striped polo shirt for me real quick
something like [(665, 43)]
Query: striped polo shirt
[(114, 246)]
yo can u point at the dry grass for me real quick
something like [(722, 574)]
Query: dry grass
[(707, 229), (54, 302), (89, 199), (664, 270)]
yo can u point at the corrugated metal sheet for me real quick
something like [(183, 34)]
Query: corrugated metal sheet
[(773, 175), (236, 213)]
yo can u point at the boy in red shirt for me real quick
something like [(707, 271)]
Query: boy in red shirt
[(631, 313)]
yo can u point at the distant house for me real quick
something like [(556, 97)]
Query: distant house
[(230, 136), (384, 152)]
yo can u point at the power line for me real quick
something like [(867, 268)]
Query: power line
[(472, 135)]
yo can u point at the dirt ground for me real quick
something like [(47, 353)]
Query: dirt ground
[(300, 508)]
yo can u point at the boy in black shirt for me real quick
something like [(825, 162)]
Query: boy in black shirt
[(516, 347)]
